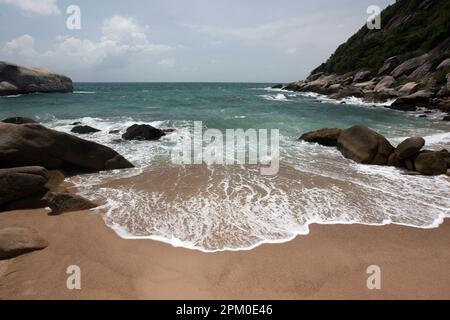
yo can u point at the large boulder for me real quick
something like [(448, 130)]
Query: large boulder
[(409, 65), (19, 80), (364, 145), (431, 163), (142, 132), (349, 91), (409, 147), (325, 137), (60, 202), (15, 241), (446, 154), (422, 72), (389, 65), (407, 88), (18, 120), (84, 130), (362, 76), (18, 183), (36, 145), (412, 101), (444, 64), (394, 161), (385, 83)]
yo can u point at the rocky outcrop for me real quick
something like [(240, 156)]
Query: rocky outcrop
[(395, 67), (18, 120), (431, 163), (409, 66), (411, 102), (60, 202), (364, 145), (385, 83), (18, 183), (325, 137), (15, 241), (20, 80), (35, 187), (36, 145), (142, 132), (409, 147), (389, 65), (84, 130)]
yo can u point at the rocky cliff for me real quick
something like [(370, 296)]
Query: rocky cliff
[(20, 80), (407, 60)]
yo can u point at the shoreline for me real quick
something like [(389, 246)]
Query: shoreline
[(410, 259)]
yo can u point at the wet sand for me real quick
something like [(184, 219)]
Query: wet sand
[(329, 263)]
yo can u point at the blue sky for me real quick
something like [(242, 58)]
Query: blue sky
[(179, 40)]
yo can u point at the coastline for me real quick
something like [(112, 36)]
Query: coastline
[(329, 263)]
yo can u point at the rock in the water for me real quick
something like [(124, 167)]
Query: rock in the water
[(18, 183), (169, 130), (15, 241), (446, 156), (60, 202), (431, 163), (143, 132), (278, 86), (114, 131), (19, 120), (36, 145), (20, 80), (84, 130), (409, 164), (395, 162), (364, 145), (409, 147), (326, 137), (446, 118), (411, 102)]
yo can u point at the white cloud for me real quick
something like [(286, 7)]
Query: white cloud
[(291, 51), (43, 7), (122, 38), (167, 63), (23, 46), (288, 35)]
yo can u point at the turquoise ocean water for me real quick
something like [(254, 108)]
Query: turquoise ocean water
[(234, 208)]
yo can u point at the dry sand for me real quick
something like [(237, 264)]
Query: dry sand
[(331, 262)]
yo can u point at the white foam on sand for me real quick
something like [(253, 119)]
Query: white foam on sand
[(238, 209), (235, 208)]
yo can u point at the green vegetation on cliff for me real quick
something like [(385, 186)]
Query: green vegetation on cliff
[(408, 28)]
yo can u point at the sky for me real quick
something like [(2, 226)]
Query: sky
[(179, 40)]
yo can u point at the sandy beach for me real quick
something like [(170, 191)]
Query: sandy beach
[(329, 263)]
